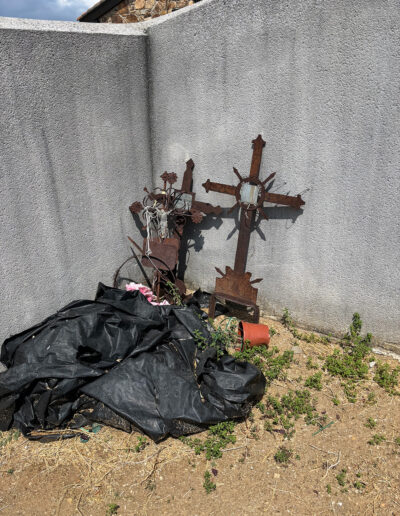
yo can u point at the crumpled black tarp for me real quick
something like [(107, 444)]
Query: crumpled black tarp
[(124, 362)]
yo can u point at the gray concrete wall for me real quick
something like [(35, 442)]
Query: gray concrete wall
[(320, 81), (74, 153)]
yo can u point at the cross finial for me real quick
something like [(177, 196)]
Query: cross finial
[(258, 141)]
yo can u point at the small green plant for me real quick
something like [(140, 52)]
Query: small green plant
[(10, 471), (336, 401), (328, 488), (208, 484), (314, 381), (341, 477), (371, 398), (371, 423), (377, 439), (359, 485), (150, 485), (219, 436), (173, 291), (268, 427), (397, 441), (386, 377), (283, 455), (141, 444), (272, 331), (112, 508), (204, 343), (310, 364), (270, 361), (286, 410), (219, 338), (261, 407), (351, 363), (8, 437), (287, 320), (254, 432), (350, 391)]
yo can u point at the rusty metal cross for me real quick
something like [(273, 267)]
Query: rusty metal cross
[(250, 194)]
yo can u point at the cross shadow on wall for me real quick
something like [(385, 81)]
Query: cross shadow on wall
[(194, 234)]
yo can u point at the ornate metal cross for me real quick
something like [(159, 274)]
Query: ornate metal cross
[(167, 210), (250, 193)]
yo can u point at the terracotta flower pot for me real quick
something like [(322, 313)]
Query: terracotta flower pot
[(253, 334)]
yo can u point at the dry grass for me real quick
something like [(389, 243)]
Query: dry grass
[(71, 477)]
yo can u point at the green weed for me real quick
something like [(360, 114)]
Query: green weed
[(7, 437), (270, 361), (377, 439), (350, 391), (351, 364), (287, 320), (386, 377), (261, 407), (314, 381), (371, 423), (208, 484), (359, 485), (286, 410), (141, 444), (283, 455), (219, 436), (173, 291), (112, 508), (220, 339), (341, 477), (310, 364)]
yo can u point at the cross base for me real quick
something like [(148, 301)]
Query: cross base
[(236, 287)]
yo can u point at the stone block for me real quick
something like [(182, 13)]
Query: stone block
[(116, 18), (131, 18), (139, 4), (124, 10)]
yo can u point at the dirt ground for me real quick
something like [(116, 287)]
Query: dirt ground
[(106, 475)]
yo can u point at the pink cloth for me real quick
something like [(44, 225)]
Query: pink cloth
[(146, 291)]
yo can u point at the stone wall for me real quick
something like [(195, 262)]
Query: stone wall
[(132, 11)]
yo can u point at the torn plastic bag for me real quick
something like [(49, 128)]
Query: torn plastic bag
[(121, 361)]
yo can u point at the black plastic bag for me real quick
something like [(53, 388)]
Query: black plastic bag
[(121, 361)]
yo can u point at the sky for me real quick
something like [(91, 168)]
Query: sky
[(67, 10)]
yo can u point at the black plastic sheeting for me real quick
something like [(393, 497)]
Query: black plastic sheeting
[(121, 361)]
